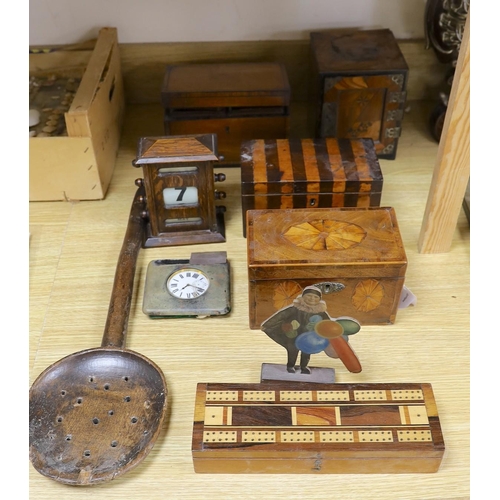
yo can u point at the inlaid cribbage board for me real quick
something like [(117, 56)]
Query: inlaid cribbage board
[(281, 427)]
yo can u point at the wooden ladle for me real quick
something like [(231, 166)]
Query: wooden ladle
[(97, 413)]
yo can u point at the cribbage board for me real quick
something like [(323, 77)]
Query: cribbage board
[(316, 428)]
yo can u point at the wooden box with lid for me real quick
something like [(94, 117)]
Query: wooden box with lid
[(359, 84), (236, 101), (354, 255), (309, 173), (307, 428)]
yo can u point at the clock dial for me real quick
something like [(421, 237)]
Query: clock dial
[(188, 284)]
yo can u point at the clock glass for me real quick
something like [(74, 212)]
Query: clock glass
[(188, 284)]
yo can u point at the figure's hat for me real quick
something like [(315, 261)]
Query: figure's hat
[(312, 289)]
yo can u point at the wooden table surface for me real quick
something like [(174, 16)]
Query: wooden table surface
[(74, 247)]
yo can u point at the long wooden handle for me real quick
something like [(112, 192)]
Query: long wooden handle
[(115, 331)]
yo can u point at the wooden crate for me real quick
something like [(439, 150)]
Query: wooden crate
[(360, 80), (236, 101), (360, 249), (304, 173), (78, 164), (304, 428)]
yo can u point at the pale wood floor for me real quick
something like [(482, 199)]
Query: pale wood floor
[(73, 254)]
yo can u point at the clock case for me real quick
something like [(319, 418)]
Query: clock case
[(167, 163), (216, 301)]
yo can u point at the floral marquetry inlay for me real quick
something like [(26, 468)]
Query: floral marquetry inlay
[(368, 295), (325, 235), (284, 293)]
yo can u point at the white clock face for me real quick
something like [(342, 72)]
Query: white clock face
[(188, 284)]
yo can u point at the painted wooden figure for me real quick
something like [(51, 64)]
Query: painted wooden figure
[(305, 327)]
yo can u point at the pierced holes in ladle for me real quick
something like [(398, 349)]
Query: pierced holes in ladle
[(69, 437), (95, 421), (106, 387), (86, 453), (79, 401), (126, 378), (63, 393), (91, 379), (114, 444), (111, 413), (59, 419), (127, 399), (134, 420)]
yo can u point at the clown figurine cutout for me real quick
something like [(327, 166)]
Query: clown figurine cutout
[(305, 326)]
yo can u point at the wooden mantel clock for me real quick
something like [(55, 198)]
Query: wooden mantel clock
[(180, 194)]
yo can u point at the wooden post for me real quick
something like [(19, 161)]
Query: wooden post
[(452, 169)]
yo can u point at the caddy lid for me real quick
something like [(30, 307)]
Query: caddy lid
[(225, 84), (299, 166), (343, 52), (312, 238)]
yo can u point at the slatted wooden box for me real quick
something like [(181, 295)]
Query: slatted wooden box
[(361, 249), (303, 173), (79, 163), (236, 101), (301, 428), (360, 80)]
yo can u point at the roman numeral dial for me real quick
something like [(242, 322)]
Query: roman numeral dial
[(188, 284)]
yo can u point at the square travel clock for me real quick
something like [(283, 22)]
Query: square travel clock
[(195, 287)]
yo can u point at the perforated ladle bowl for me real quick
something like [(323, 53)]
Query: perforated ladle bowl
[(96, 414)]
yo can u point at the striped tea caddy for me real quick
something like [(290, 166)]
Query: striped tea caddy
[(309, 173)]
